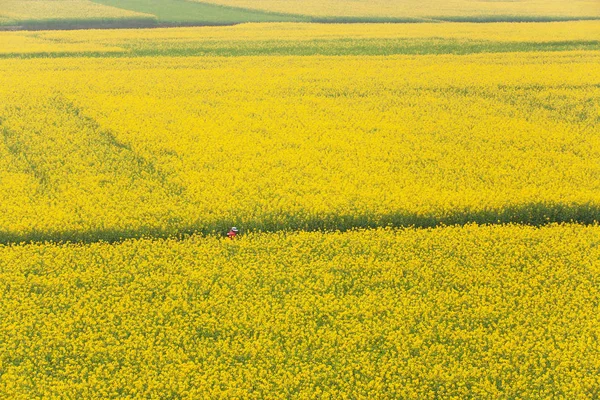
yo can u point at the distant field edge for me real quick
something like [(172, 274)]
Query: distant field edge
[(321, 47), (135, 23), (76, 24), (443, 19), (89, 25), (533, 214)]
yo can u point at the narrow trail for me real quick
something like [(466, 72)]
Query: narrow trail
[(533, 214)]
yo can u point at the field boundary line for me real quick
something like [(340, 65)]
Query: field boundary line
[(531, 214)]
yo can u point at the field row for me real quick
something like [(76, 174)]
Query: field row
[(487, 312), (109, 148), (306, 39), (81, 14)]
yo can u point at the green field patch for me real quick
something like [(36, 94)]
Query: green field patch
[(325, 47), (153, 13), (76, 23), (181, 12), (54, 14), (135, 14), (434, 18)]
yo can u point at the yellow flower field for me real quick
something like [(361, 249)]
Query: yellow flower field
[(246, 37), (26, 10), (20, 43), (342, 152), (108, 147), (422, 9), (485, 312)]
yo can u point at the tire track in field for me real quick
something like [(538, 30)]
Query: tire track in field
[(20, 157), (137, 162), (86, 175), (66, 145)]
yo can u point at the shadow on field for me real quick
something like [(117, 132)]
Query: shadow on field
[(535, 214)]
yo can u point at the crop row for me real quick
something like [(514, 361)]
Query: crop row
[(306, 39)]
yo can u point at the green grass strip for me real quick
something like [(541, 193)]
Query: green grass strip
[(181, 12), (326, 47), (531, 214)]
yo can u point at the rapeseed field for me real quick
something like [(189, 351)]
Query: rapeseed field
[(427, 9), (305, 40), (418, 211), (456, 312), (121, 147), (27, 11), (85, 14)]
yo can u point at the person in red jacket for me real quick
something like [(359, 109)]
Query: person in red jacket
[(232, 233)]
